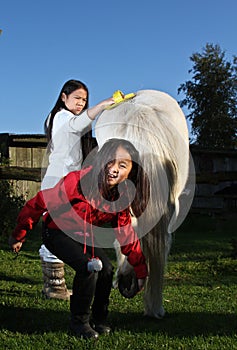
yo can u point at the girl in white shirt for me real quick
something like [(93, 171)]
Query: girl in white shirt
[(68, 129)]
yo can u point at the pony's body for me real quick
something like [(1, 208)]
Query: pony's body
[(155, 124)]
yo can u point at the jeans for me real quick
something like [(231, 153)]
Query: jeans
[(90, 290)]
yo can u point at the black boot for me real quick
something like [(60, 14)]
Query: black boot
[(81, 328), (101, 327), (80, 303), (99, 317)]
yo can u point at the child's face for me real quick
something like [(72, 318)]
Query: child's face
[(76, 101), (119, 169)]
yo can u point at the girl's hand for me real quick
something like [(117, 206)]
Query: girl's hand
[(97, 109), (14, 244), (106, 103)]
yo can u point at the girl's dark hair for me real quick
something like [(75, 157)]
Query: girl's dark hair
[(67, 89), (97, 177)]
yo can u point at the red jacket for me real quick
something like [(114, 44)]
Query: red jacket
[(71, 212)]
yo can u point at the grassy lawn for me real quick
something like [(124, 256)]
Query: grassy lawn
[(200, 297)]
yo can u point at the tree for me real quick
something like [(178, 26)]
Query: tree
[(211, 98)]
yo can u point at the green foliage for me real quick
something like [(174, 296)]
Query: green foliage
[(211, 97), (10, 205), (199, 297)]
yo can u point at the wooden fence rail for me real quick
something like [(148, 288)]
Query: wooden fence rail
[(20, 173)]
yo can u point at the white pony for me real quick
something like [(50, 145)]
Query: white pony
[(155, 124)]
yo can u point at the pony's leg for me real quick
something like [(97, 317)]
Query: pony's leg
[(156, 246), (123, 266)]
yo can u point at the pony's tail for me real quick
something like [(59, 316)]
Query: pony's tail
[(156, 247)]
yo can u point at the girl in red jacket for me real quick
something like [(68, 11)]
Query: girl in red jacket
[(100, 194)]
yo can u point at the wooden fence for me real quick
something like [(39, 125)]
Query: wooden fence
[(216, 171), (27, 159), (216, 180)]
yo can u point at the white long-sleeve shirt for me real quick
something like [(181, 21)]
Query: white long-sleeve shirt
[(66, 153)]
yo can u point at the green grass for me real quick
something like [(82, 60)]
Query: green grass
[(200, 297)]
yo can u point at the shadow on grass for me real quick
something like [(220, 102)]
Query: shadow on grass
[(19, 279), (177, 324), (29, 321)]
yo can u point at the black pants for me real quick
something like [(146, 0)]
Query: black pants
[(91, 290)]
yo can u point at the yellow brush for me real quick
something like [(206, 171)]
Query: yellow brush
[(119, 97)]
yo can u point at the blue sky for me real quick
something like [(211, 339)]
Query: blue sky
[(128, 45)]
